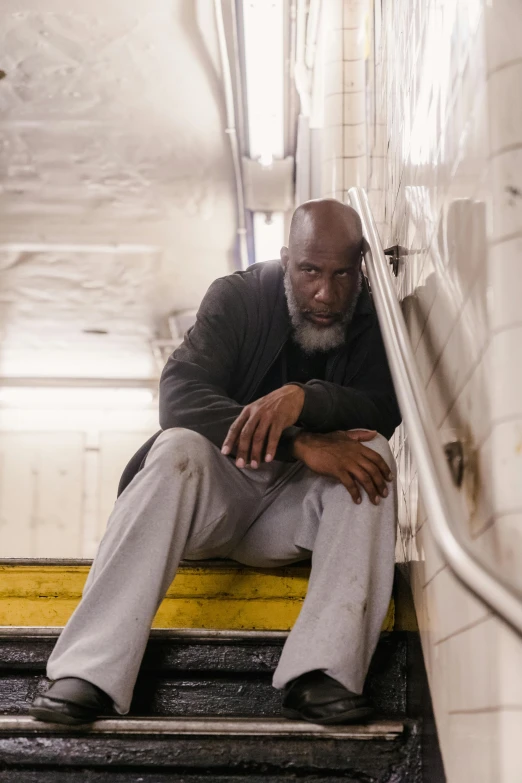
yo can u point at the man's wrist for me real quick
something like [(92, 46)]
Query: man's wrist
[(301, 444)]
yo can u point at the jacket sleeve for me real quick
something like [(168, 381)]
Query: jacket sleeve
[(195, 384), (369, 402)]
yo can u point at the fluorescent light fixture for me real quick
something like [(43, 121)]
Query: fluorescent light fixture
[(51, 398), (263, 28), (269, 235), (265, 72)]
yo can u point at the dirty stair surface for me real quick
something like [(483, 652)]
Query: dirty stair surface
[(216, 749), (197, 673), (204, 710)]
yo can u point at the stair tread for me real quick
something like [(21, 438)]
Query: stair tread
[(224, 727)]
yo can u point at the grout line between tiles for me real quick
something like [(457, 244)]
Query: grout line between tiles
[(481, 710), (467, 627), (503, 67), (507, 328), (517, 145), (432, 577), (475, 534)]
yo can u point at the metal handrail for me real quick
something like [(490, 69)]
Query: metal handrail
[(440, 494)]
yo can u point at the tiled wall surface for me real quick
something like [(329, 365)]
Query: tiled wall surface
[(431, 96), (344, 147)]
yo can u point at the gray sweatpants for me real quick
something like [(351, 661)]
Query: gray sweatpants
[(189, 501)]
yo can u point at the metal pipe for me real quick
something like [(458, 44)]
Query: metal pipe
[(440, 495), (231, 130), (302, 80), (312, 30)]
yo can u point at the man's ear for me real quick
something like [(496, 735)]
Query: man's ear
[(284, 257)]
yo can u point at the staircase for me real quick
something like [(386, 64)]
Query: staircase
[(204, 710)]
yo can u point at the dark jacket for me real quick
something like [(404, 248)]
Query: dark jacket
[(240, 330)]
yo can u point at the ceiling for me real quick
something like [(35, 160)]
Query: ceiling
[(116, 182)]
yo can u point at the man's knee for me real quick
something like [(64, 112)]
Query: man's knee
[(182, 449), (382, 447)]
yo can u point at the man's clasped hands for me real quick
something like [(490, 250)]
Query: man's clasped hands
[(254, 436)]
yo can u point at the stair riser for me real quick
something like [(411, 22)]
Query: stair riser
[(181, 679), (232, 696), (357, 760), (215, 594)]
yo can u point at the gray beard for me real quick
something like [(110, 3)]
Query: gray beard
[(312, 338)]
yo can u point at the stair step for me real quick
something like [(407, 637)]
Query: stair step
[(194, 672), (219, 594), (210, 749)]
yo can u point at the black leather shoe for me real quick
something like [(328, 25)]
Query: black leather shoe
[(72, 701), (318, 698)]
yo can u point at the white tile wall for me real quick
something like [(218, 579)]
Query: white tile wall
[(432, 125), (343, 73)]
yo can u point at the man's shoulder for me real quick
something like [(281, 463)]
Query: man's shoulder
[(260, 289), (258, 276), (259, 283)]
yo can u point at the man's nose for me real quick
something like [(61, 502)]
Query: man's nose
[(325, 293)]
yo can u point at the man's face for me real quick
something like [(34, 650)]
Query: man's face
[(324, 287), (322, 290)]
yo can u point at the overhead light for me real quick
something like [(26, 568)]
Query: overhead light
[(265, 73), (263, 30), (50, 398), (266, 159), (269, 233)]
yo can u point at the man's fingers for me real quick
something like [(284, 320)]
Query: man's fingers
[(377, 460), (361, 435), (365, 480), (245, 442), (273, 442), (376, 476), (351, 486), (258, 443), (233, 432)]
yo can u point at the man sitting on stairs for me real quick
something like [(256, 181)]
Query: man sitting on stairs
[(275, 414)]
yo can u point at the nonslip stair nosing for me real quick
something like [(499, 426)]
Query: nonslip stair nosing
[(223, 727), (216, 563), (173, 634)]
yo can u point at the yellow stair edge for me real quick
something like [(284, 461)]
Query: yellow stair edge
[(220, 596)]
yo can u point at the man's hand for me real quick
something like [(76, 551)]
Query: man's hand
[(262, 422), (341, 456)]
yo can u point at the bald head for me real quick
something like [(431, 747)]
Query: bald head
[(328, 225)]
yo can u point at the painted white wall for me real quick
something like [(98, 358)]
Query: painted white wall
[(59, 472)]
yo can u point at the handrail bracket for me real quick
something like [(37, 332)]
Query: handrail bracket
[(396, 252)]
